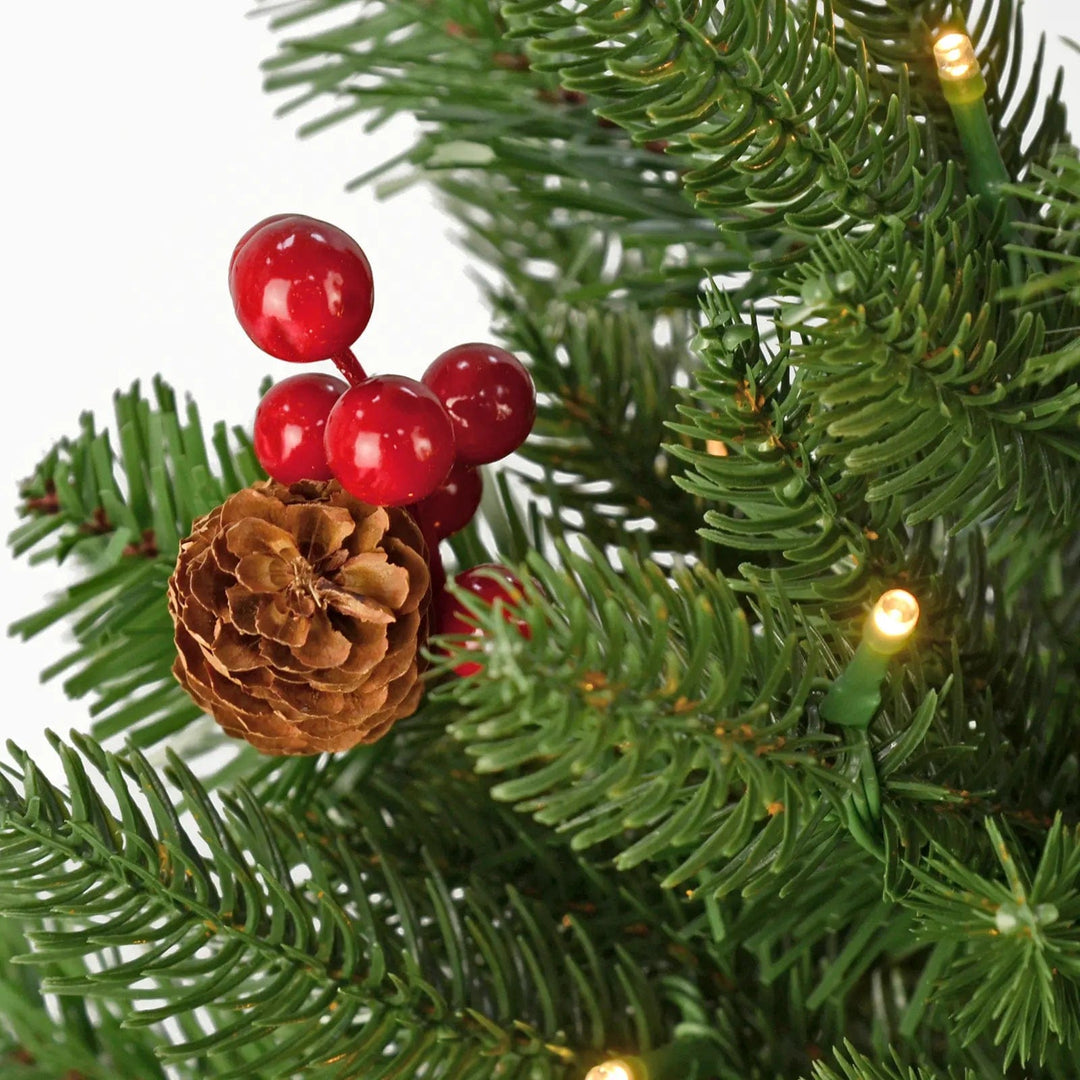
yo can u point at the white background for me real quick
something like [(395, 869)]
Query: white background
[(138, 146)]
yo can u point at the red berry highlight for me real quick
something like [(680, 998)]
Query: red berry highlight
[(389, 441), (249, 234), (490, 398), (490, 582), (302, 289), (290, 427), (452, 505)]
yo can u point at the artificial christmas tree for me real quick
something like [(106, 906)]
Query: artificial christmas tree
[(767, 762)]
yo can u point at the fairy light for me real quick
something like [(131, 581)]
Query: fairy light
[(686, 1056), (856, 694), (959, 70), (611, 1070), (964, 88), (955, 56), (892, 621)]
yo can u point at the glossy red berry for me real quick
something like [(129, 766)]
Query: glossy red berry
[(290, 427), (490, 398), (452, 505), (489, 582), (301, 288), (249, 234), (389, 441)]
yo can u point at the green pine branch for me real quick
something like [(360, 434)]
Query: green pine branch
[(277, 935), (899, 43), (1011, 948), (646, 712), (913, 395), (606, 389), (490, 124), (793, 517), (79, 1041), (851, 1065), (121, 514), (930, 391), (1053, 192), (407, 912), (778, 132), (139, 498)]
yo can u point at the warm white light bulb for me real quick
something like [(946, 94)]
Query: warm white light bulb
[(610, 1070), (955, 56), (895, 614)]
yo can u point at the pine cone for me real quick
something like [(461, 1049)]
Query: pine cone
[(299, 616)]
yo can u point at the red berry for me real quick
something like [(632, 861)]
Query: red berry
[(490, 398), (389, 441), (489, 582), (249, 234), (451, 506), (301, 288), (290, 426)]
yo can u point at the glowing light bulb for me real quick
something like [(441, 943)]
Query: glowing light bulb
[(955, 56), (892, 621), (896, 613), (856, 694), (610, 1070)]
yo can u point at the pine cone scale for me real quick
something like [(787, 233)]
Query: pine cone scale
[(234, 652), (373, 576), (299, 615)]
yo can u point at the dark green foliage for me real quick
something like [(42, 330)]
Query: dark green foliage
[(753, 454), (646, 712), (778, 132), (1014, 946), (1055, 191), (855, 1066), (785, 362), (80, 1039), (389, 919), (606, 389), (123, 514), (912, 394)]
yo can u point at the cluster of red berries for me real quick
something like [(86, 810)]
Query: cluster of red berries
[(303, 292)]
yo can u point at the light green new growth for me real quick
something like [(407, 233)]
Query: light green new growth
[(783, 367)]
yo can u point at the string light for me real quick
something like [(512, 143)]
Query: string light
[(856, 694), (964, 88), (955, 56), (616, 1069), (892, 621), (690, 1055)]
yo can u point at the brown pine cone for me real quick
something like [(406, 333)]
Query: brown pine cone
[(299, 616)]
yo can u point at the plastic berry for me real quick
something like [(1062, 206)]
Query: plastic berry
[(249, 234), (452, 505), (290, 427), (302, 288), (490, 398), (389, 441), (489, 582)]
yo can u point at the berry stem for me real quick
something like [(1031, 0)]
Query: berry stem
[(350, 367)]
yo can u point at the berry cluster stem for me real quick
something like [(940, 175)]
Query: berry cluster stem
[(350, 367)]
